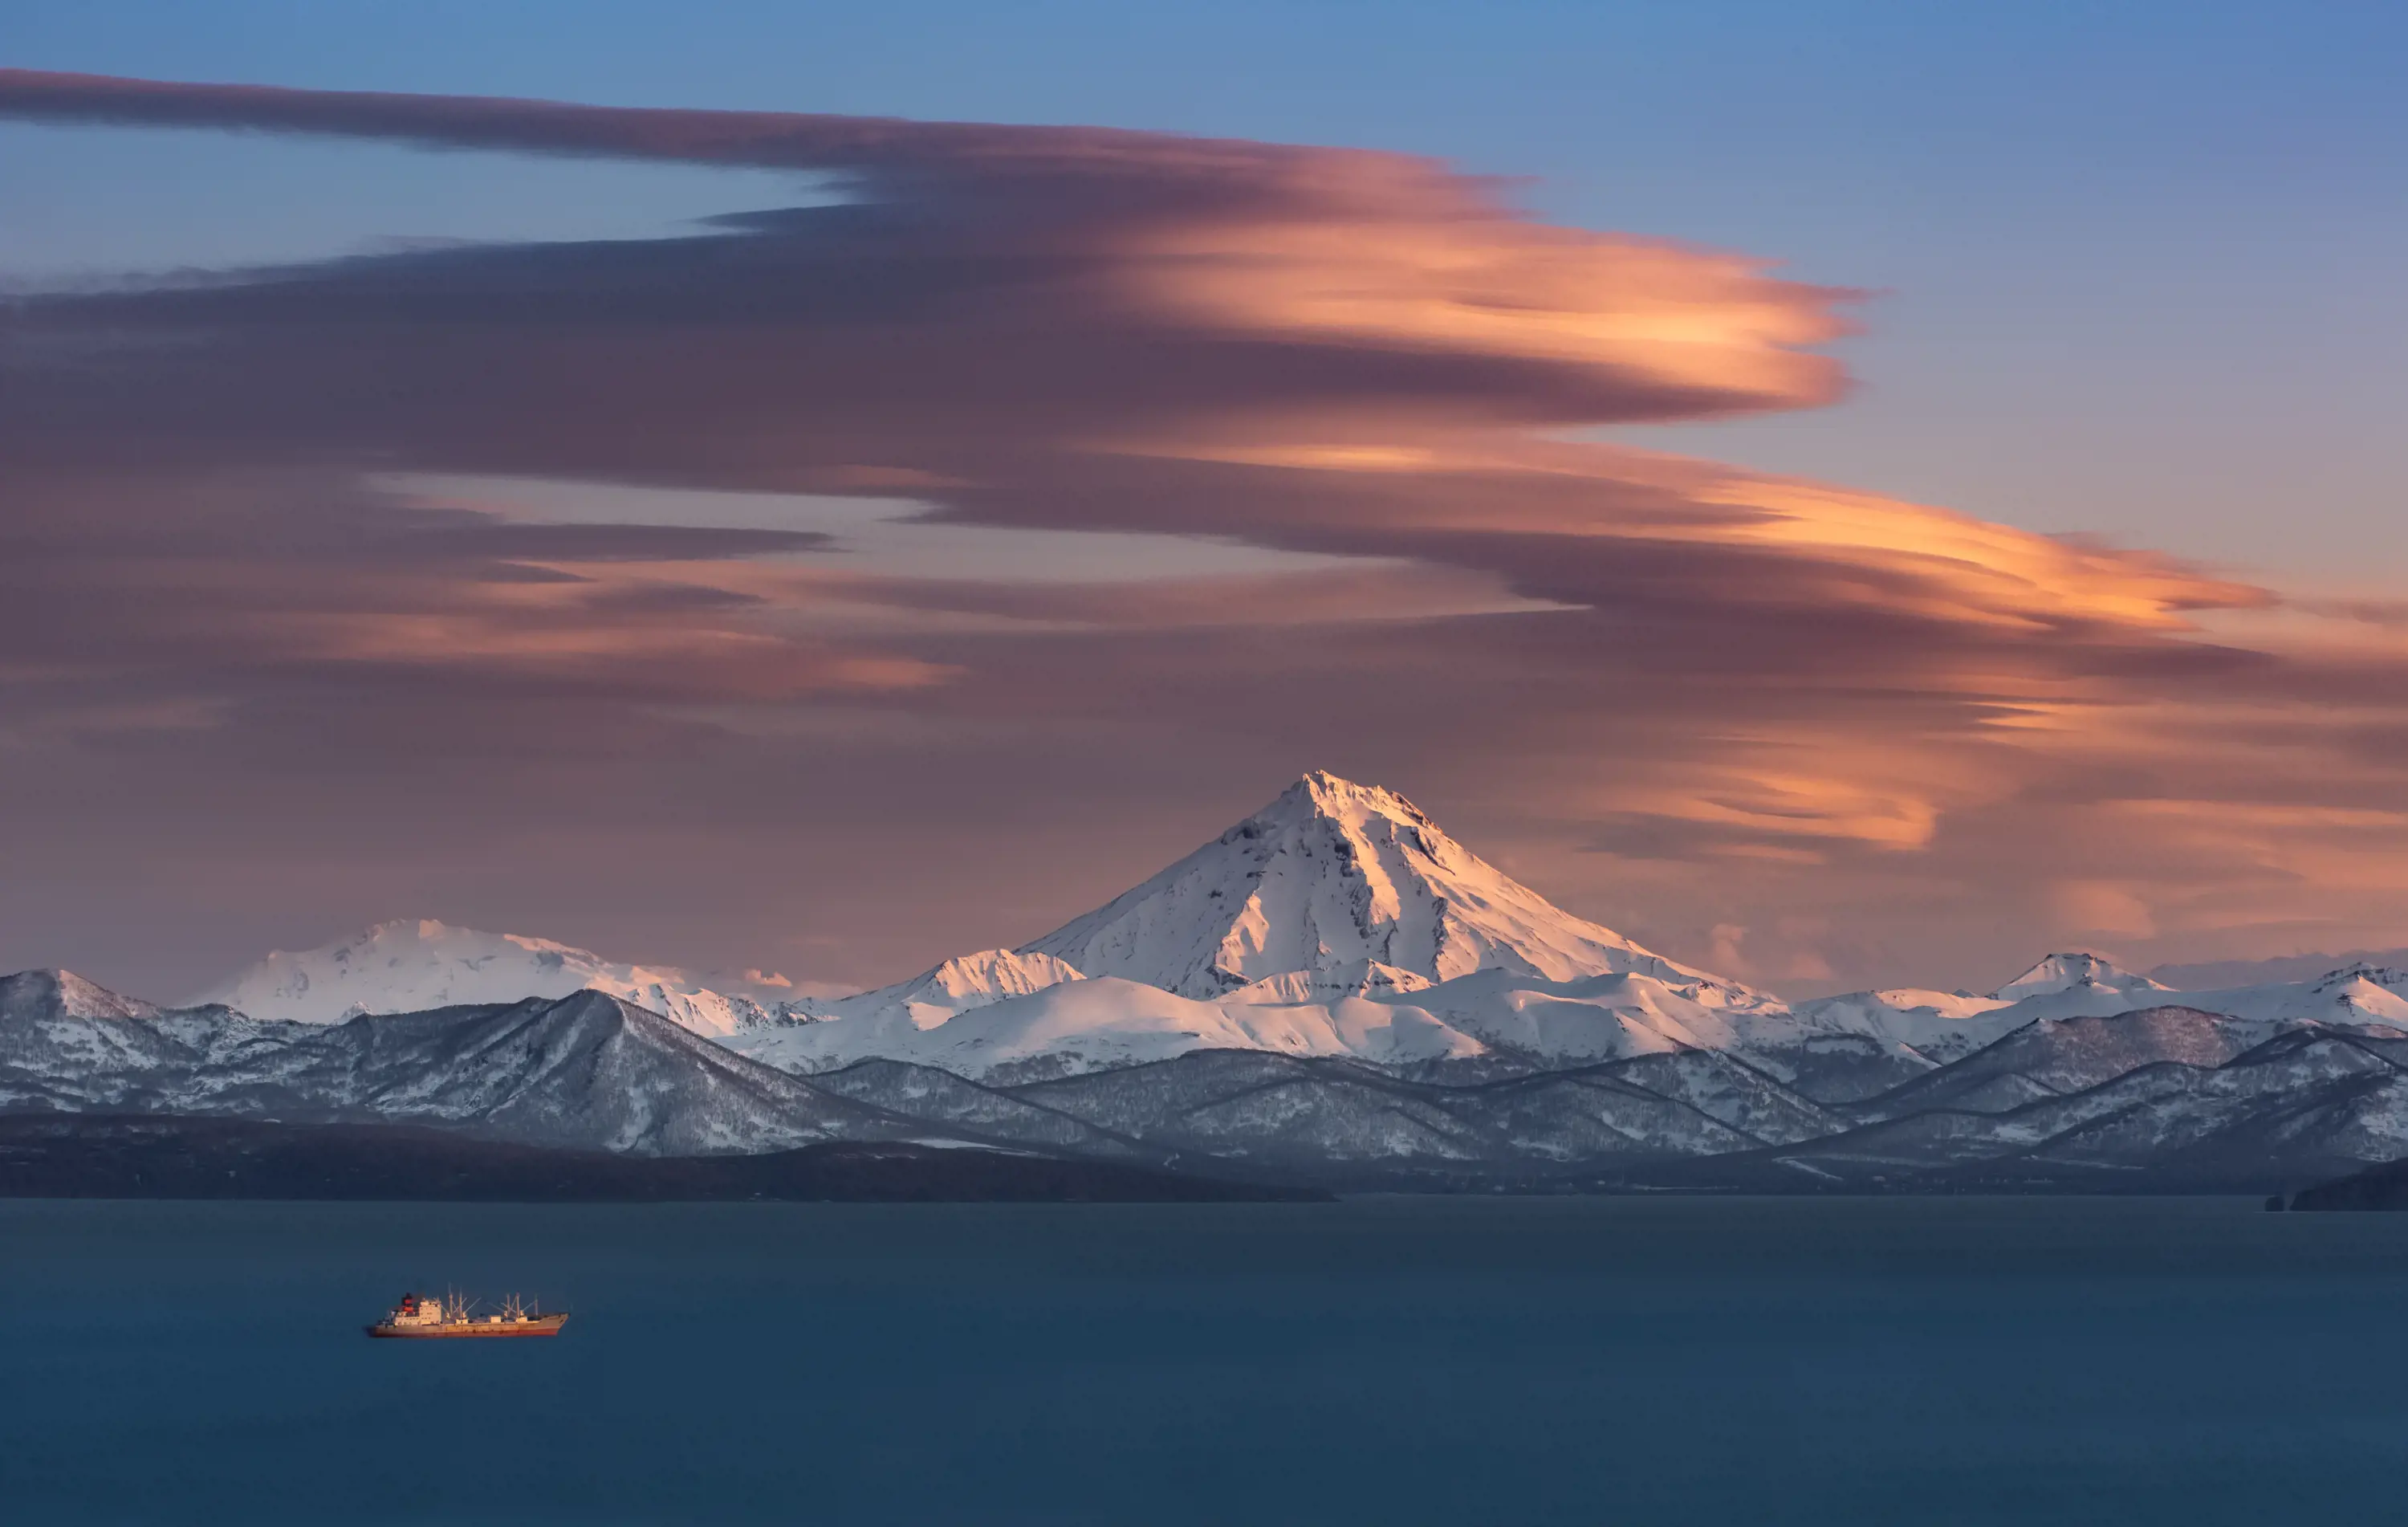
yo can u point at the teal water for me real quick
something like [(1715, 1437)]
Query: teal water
[(1478, 1361)]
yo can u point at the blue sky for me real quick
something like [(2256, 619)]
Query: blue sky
[(2136, 264)]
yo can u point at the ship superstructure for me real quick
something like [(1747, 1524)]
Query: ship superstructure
[(452, 1315)]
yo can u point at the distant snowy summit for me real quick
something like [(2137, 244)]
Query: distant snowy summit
[(414, 965), (2056, 974)]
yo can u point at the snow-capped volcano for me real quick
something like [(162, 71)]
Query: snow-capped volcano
[(1333, 893), (1349, 885), (414, 965), (1339, 920)]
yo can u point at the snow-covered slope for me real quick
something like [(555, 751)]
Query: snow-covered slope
[(1092, 1025), (2357, 994), (1839, 1048), (586, 1069), (1937, 1025), (1335, 1116), (2168, 1091), (411, 966), (38, 995), (955, 987), (1505, 1022), (59, 1033), (2058, 1057), (1943, 1026), (1333, 879)]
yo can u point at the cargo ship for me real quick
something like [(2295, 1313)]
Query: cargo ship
[(454, 1316)]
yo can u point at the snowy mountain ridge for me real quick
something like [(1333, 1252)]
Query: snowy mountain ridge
[(1340, 921), (1333, 989), (585, 1070), (2168, 1095)]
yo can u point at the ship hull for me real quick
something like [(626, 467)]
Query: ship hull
[(545, 1325)]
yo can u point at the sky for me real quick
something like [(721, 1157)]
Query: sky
[(1848, 495)]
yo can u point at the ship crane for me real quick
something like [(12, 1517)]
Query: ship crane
[(454, 1316)]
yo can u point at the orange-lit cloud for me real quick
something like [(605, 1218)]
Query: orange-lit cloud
[(1848, 736)]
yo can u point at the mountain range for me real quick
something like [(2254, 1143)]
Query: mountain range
[(1334, 991)]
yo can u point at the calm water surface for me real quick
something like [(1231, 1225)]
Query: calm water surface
[(1377, 1362)]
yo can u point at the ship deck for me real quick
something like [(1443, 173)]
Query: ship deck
[(544, 1325)]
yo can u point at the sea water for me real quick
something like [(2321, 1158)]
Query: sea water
[(1384, 1361)]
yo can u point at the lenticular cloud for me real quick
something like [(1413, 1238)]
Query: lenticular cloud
[(1727, 701)]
